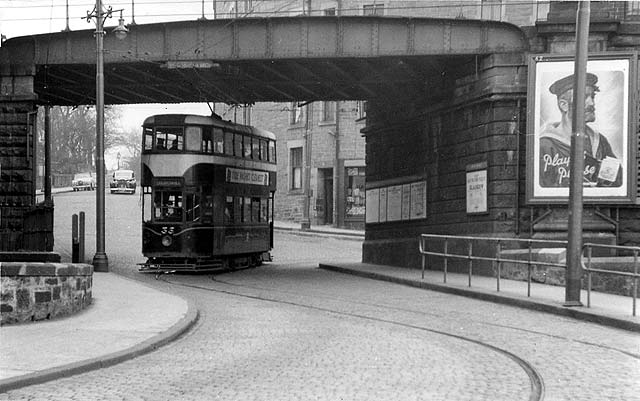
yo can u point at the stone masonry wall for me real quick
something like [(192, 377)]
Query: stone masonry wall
[(38, 291), (479, 121)]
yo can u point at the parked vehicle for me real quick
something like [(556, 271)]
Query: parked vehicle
[(83, 181), (123, 181)]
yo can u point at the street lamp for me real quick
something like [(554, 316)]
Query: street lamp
[(118, 158), (100, 261)]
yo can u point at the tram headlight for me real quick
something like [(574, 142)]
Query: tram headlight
[(167, 240)]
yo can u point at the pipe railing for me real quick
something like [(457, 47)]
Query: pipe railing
[(528, 245), (588, 247)]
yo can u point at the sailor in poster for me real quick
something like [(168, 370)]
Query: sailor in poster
[(602, 166)]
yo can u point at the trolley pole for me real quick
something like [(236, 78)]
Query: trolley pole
[(574, 246)]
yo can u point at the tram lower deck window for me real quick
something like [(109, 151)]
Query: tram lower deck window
[(167, 206)]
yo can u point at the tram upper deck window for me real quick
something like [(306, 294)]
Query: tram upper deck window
[(264, 149), (246, 147), (169, 138), (193, 138), (272, 151), (148, 138), (255, 146), (218, 140), (237, 145), (228, 143)]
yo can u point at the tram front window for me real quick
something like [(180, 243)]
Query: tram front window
[(167, 206)]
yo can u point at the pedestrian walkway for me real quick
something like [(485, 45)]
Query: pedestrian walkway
[(126, 319), (318, 230), (607, 309)]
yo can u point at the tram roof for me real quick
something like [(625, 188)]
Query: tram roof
[(170, 119)]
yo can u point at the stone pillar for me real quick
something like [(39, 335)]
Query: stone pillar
[(18, 113)]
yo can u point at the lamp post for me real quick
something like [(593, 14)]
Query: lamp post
[(100, 261), (118, 158)]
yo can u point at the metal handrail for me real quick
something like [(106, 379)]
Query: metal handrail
[(499, 260), (589, 270)]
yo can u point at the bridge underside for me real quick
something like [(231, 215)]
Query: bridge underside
[(253, 60), (246, 82)]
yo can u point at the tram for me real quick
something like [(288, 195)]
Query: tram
[(207, 193)]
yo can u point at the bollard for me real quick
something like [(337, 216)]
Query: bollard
[(74, 239), (81, 241)]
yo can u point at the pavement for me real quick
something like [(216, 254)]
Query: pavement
[(128, 318)]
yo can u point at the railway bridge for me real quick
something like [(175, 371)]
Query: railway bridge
[(446, 97)]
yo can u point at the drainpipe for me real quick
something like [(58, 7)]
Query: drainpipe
[(305, 224)]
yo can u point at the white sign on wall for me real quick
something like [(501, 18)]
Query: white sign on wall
[(383, 204), (477, 191), (372, 214), (394, 203)]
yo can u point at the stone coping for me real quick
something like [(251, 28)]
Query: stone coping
[(45, 269)]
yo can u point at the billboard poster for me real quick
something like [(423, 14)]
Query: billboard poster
[(608, 137)]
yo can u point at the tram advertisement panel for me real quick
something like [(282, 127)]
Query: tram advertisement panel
[(609, 138)]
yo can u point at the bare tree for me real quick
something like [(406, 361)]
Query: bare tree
[(73, 137)]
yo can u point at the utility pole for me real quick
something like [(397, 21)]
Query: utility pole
[(574, 246), (48, 199)]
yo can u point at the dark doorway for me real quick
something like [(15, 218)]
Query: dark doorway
[(328, 196)]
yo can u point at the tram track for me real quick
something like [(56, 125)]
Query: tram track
[(535, 379), (438, 315)]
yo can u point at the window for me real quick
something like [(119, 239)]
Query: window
[(167, 206), (148, 138), (169, 138), (192, 207), (362, 110), (218, 140), (330, 11), (207, 208), (228, 143), (328, 111), (272, 151), (237, 143), (255, 149), (237, 209), (246, 210), (373, 9), (355, 204), (296, 114), (264, 210), (246, 153), (296, 168), (207, 143), (255, 210), (229, 210), (264, 150), (492, 9), (193, 138)]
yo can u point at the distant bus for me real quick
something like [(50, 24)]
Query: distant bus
[(207, 193)]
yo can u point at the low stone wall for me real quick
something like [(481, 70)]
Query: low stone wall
[(37, 291)]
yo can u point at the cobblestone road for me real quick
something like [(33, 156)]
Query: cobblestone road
[(290, 331)]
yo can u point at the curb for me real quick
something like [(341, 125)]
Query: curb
[(318, 233), (74, 368), (492, 297)]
